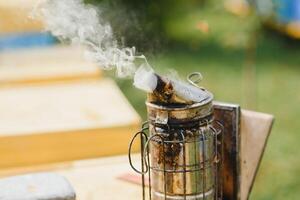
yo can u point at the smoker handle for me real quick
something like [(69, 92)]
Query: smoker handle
[(142, 134), (194, 79)]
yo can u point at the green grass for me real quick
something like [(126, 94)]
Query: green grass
[(274, 86)]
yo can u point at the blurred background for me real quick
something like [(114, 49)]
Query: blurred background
[(247, 51), (249, 54)]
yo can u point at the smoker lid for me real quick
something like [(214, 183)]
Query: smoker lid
[(180, 106), (179, 113)]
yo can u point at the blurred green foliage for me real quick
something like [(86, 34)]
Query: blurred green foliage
[(241, 63)]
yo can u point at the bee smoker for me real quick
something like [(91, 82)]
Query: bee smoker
[(181, 152)]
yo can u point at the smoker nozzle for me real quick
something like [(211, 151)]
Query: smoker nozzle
[(164, 93)]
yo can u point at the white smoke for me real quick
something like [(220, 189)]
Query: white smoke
[(145, 78), (83, 24)]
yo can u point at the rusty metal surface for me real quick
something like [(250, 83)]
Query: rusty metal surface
[(180, 154), (229, 116), (179, 114)]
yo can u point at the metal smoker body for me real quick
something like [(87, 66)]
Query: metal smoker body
[(182, 153)]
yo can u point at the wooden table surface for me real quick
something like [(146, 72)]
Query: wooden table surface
[(93, 179)]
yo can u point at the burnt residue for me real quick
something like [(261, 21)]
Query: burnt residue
[(163, 91), (173, 166), (164, 94), (170, 150), (176, 165), (167, 153)]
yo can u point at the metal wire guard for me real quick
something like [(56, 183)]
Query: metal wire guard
[(181, 151), (164, 170)]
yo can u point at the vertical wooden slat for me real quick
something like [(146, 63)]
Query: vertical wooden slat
[(229, 116)]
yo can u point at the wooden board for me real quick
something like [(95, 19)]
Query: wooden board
[(14, 16), (45, 64), (93, 179), (64, 121), (255, 130), (229, 116), (245, 138)]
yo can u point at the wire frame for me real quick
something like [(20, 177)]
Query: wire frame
[(197, 179)]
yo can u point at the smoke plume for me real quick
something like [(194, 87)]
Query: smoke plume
[(79, 23)]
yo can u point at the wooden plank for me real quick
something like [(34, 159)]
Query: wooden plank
[(245, 139), (14, 16), (93, 179), (46, 64), (229, 116), (64, 121), (255, 130)]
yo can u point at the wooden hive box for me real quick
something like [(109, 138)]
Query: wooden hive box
[(60, 121), (14, 16), (46, 64)]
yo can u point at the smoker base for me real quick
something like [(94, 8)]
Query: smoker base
[(207, 196)]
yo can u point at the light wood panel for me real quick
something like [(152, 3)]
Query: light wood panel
[(93, 179), (64, 121), (255, 129), (45, 64)]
